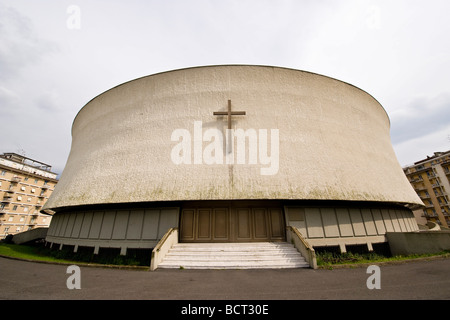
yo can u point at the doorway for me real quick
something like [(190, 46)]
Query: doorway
[(232, 221)]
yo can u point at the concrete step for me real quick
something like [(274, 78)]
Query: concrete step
[(257, 255), (233, 258), (224, 247), (231, 252), (248, 257), (229, 265)]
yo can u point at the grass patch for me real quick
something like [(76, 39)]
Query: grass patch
[(327, 259), (109, 256), (29, 253), (331, 258)]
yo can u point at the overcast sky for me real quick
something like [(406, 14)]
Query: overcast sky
[(55, 56)]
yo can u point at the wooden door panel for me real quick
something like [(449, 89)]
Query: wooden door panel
[(204, 224), (230, 223), (260, 224), (243, 224), (187, 225), (278, 229), (221, 230)]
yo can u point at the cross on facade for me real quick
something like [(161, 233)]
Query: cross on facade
[(229, 113)]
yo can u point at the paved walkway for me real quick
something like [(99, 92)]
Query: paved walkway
[(412, 280)]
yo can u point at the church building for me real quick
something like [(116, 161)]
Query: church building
[(231, 154)]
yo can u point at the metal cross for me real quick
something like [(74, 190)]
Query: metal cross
[(229, 113)]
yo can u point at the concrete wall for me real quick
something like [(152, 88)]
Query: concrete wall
[(406, 243), (163, 247), (334, 140), (342, 226), (135, 228), (30, 235)]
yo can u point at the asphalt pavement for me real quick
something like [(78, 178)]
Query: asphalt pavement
[(428, 279), (418, 280)]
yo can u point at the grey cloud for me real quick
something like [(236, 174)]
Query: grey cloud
[(48, 102), (21, 46), (424, 116)]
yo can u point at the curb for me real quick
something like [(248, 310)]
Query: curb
[(81, 264), (323, 267)]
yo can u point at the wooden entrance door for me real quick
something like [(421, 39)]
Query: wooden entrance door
[(233, 221)]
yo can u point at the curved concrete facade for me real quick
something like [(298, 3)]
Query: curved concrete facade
[(160, 152), (333, 141)]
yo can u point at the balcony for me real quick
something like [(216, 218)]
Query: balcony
[(6, 199), (45, 187), (431, 175), (440, 194), (16, 179)]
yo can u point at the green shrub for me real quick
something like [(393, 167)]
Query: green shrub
[(328, 258)]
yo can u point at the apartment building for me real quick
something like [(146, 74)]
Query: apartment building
[(430, 178), (25, 185)]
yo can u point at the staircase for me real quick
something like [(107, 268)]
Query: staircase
[(254, 255)]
